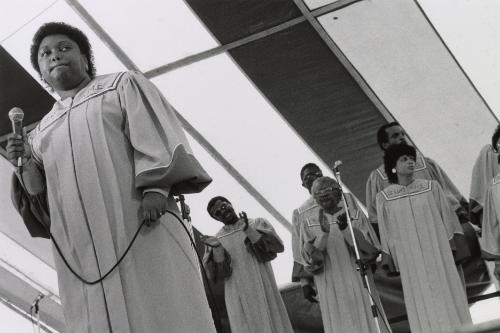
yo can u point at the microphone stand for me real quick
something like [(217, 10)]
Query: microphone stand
[(187, 222), (360, 267), (36, 308)]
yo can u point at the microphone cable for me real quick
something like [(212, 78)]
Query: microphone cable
[(85, 281)]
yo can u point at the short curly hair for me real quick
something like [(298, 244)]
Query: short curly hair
[(61, 28), (308, 166), (391, 156), (212, 203), (495, 137)]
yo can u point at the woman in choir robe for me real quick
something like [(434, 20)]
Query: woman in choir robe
[(327, 252), (485, 168), (418, 231), (109, 155), (240, 254)]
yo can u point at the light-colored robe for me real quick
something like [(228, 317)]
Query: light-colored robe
[(344, 302), (298, 272), (416, 225), (253, 301), (100, 150), (425, 168), (485, 168), (490, 238)]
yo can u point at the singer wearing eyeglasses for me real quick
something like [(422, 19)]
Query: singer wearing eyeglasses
[(240, 255), (327, 252), (420, 235), (109, 155)]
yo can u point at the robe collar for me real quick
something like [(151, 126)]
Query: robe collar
[(95, 87), (396, 191)]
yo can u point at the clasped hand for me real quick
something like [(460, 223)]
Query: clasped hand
[(154, 205)]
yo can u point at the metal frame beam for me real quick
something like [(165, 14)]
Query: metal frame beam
[(363, 84), (223, 48)]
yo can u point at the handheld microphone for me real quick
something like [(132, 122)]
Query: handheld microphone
[(16, 116), (336, 166), (36, 301)]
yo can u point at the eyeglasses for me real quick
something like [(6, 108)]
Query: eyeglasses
[(327, 191), (312, 176), (221, 210)]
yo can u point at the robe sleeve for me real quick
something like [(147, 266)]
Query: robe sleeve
[(452, 225), (389, 255), (490, 238), (373, 186), (314, 261), (216, 271), (456, 200), (162, 156), (298, 271), (33, 209), (482, 174), (366, 239), (485, 168), (311, 257), (265, 246)]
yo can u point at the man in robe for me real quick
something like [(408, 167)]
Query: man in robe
[(326, 247), (419, 233), (425, 168), (485, 169), (240, 254), (308, 174), (108, 156), (490, 237)]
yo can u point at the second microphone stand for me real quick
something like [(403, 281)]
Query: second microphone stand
[(360, 266)]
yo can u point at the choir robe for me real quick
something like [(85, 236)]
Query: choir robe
[(485, 168), (100, 150), (416, 227), (490, 238), (425, 168), (253, 301), (298, 272), (343, 300)]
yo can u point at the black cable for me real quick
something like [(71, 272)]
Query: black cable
[(111, 269), (85, 281)]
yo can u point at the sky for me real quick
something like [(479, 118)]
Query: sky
[(469, 28)]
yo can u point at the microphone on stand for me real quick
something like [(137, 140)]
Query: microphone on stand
[(36, 301), (336, 169), (16, 116), (360, 266)]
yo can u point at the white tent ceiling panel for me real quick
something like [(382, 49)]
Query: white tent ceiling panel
[(222, 104), (395, 49), (18, 45), (15, 14), (151, 32), (470, 31)]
